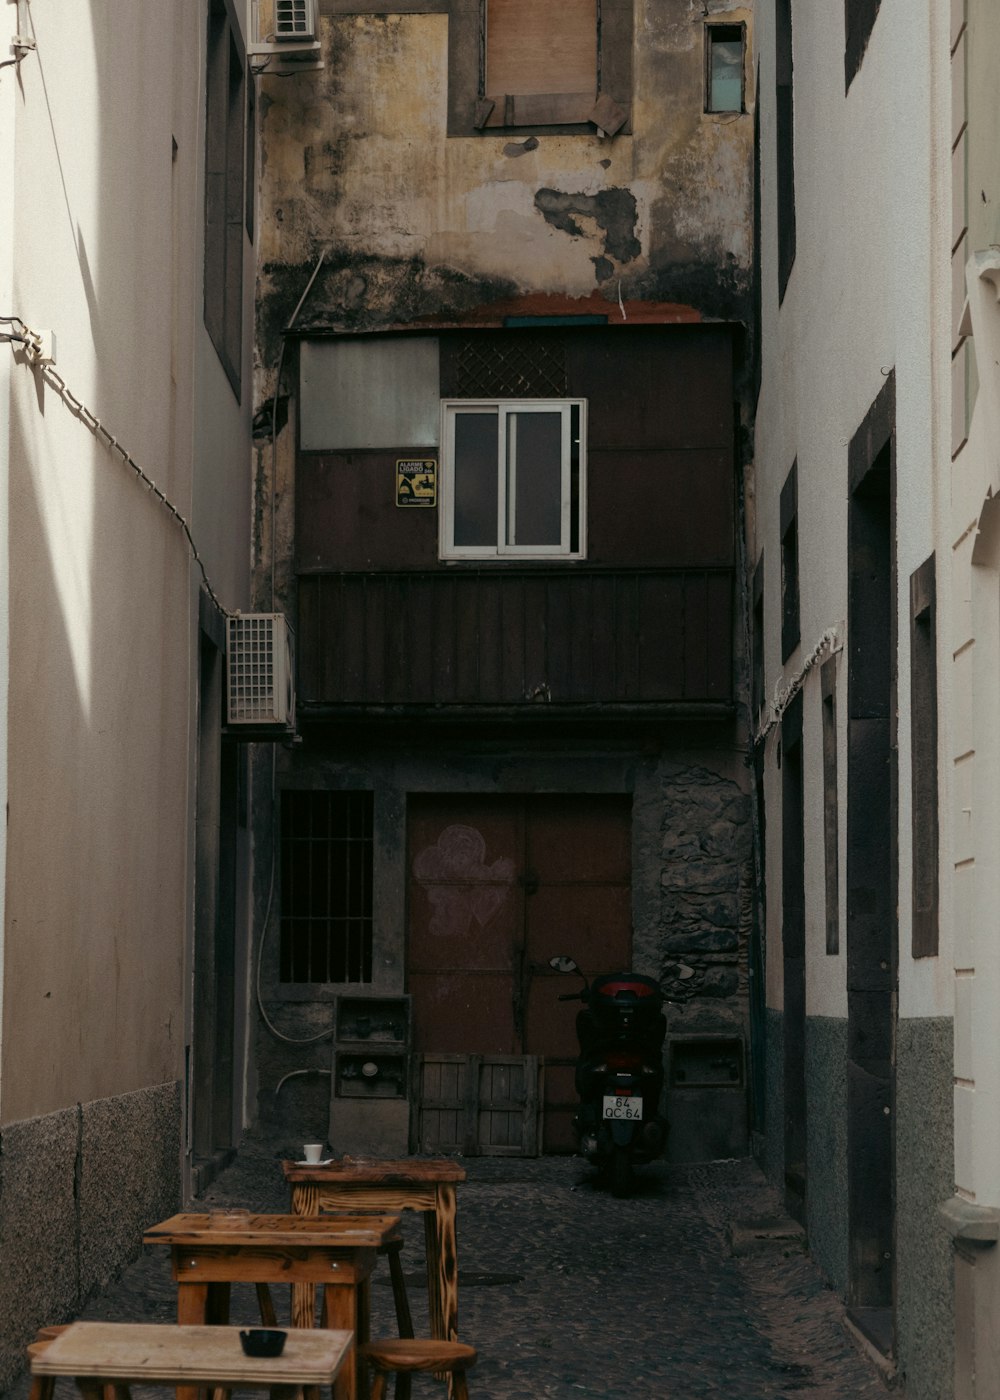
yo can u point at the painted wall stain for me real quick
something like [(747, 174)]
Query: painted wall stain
[(614, 212)]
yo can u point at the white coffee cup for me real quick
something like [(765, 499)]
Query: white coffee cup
[(313, 1152)]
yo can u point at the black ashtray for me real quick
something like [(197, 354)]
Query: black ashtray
[(263, 1341)]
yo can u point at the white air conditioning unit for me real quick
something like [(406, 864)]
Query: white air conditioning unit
[(260, 672), (285, 33), (295, 20)]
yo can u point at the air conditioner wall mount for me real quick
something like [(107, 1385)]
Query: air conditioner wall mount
[(260, 673)]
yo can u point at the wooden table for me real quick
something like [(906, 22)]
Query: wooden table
[(336, 1251), (416, 1183), (137, 1353)]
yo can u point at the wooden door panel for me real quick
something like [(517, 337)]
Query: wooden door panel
[(578, 840), (589, 922), (462, 1012), (497, 886), (464, 927), (551, 1022)]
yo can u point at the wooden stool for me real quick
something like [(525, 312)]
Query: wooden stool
[(408, 1355), (392, 1249)]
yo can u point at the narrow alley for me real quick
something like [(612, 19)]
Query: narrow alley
[(571, 1294)]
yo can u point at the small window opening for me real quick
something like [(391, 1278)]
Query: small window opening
[(724, 46), (327, 843)]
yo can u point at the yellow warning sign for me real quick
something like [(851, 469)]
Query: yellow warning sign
[(416, 481)]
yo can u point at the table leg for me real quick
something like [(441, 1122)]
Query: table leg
[(268, 1317), (303, 1305), (340, 1311), (192, 1311), (447, 1260), (305, 1199)]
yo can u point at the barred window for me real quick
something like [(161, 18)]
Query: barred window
[(326, 886)]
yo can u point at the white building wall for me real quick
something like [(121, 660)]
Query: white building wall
[(102, 165), (868, 295)]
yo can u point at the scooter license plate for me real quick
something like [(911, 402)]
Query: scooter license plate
[(623, 1108)]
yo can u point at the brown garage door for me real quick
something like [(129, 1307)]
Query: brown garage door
[(497, 886)]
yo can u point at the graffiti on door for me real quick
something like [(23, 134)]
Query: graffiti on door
[(459, 884)]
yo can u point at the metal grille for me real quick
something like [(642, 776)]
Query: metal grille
[(326, 886), (523, 367), (251, 670), (293, 19)]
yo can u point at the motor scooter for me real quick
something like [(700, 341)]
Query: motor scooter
[(619, 1073)]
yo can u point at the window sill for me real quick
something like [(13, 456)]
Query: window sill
[(579, 111)]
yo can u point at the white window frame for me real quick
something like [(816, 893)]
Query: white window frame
[(503, 408)]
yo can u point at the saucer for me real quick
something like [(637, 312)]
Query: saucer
[(324, 1163)]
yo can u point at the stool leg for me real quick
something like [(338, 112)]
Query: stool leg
[(401, 1390), (461, 1390), (404, 1319), (42, 1388), (378, 1385), (268, 1317)]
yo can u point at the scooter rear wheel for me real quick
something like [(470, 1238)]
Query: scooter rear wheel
[(622, 1178)]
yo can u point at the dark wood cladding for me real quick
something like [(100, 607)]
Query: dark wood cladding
[(660, 472), (515, 639)]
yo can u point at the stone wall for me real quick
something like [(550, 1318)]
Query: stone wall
[(77, 1190)]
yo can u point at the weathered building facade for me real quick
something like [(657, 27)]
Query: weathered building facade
[(972, 1214), (503, 352), (851, 621), (124, 855)]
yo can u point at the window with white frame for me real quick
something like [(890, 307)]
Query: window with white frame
[(513, 479)]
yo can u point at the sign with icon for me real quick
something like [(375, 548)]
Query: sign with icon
[(416, 481)]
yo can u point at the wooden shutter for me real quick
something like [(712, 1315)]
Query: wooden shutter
[(541, 60)]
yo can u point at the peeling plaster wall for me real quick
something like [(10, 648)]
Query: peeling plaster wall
[(356, 159)]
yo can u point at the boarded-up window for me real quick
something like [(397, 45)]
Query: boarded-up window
[(534, 48)]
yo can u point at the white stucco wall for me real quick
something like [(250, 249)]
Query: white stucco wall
[(107, 254), (865, 296)]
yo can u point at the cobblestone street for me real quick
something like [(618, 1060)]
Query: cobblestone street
[(569, 1293)]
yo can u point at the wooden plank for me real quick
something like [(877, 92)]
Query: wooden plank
[(277, 1230), (541, 49), (147, 1353), (400, 1172)]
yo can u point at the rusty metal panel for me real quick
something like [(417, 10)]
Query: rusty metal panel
[(346, 515), (657, 507), (340, 381)]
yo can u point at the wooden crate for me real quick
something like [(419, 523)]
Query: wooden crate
[(479, 1105)]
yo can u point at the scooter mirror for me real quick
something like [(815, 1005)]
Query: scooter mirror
[(563, 964)]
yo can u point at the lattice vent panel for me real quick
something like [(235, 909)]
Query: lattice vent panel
[(521, 368)]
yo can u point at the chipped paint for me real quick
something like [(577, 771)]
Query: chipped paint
[(420, 226)]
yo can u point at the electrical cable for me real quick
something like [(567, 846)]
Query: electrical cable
[(33, 342)]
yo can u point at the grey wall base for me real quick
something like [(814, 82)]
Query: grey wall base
[(925, 1305), (826, 1161), (77, 1189)]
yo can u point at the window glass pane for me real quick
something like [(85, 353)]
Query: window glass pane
[(474, 479), (534, 481), (369, 393), (547, 48), (726, 72)]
